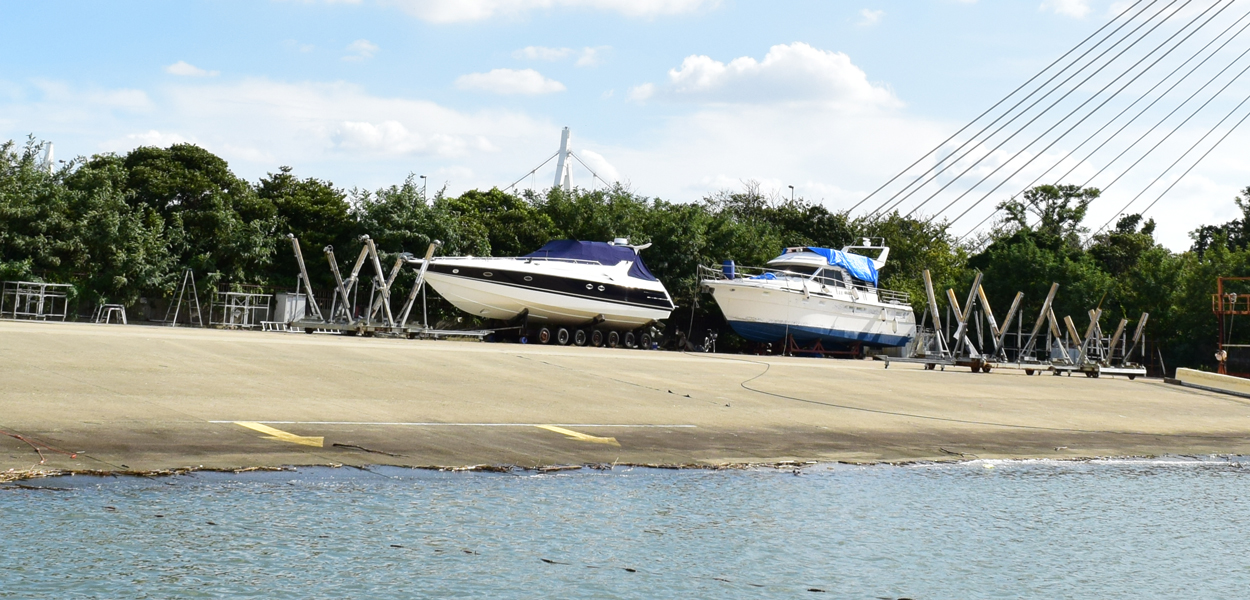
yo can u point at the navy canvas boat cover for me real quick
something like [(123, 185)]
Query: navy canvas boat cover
[(860, 267), (600, 252)]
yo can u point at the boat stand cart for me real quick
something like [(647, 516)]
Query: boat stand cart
[(937, 351), (378, 319)]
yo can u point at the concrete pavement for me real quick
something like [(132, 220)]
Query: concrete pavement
[(136, 398)]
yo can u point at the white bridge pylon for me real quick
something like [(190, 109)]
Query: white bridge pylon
[(564, 165)]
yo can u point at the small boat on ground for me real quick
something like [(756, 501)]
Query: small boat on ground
[(813, 295), (599, 293)]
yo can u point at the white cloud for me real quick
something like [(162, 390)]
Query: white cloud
[(509, 82), (542, 53), (1070, 8), (153, 137), (453, 11), (600, 165), (642, 92), (870, 17), (586, 57), (361, 50), (591, 57), (186, 69), (789, 73)]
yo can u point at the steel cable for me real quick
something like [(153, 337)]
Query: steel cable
[(1191, 167), (882, 207), (1005, 98), (1152, 129), (1078, 123), (1039, 115)]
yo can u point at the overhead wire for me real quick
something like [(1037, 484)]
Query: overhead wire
[(997, 104), (971, 143), (1082, 120), (1177, 161), (1039, 115), (1175, 129), (1114, 135)]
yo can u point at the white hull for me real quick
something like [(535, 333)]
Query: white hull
[(769, 310), (496, 301)]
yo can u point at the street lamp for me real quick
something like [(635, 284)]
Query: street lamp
[(791, 193), (424, 182)]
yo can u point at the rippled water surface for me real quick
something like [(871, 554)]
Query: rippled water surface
[(1122, 529)]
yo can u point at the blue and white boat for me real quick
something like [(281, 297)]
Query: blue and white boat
[(815, 295)]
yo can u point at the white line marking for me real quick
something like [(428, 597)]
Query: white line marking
[(466, 424)]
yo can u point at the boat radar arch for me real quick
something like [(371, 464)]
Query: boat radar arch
[(624, 242), (870, 243)]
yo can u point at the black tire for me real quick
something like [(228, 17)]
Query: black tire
[(614, 339), (929, 366), (1132, 377), (644, 341), (596, 338), (580, 338), (308, 330), (985, 368), (629, 340), (544, 336), (1028, 371), (563, 336)]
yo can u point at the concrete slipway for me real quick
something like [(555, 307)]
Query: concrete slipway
[(130, 398)]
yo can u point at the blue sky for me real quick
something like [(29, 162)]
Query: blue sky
[(679, 98)]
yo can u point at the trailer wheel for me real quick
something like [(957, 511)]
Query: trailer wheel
[(596, 338), (985, 368), (1132, 377), (929, 366), (308, 330), (544, 336), (644, 341), (579, 337), (1028, 372), (629, 339), (614, 339), (562, 336)]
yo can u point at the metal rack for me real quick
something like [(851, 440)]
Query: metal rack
[(35, 300), (240, 310)]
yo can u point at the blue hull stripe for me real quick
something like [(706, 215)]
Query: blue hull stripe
[(772, 332)]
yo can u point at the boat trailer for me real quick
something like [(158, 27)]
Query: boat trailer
[(1094, 355), (344, 316)]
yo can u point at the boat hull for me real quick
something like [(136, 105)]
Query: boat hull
[(763, 314), (549, 300)]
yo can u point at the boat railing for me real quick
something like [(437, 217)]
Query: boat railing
[(524, 259), (784, 275)]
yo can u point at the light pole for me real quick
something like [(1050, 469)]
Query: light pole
[(791, 194), (424, 183)]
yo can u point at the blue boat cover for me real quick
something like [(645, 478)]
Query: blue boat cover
[(600, 252), (860, 267)]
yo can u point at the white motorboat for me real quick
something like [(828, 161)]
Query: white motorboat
[(813, 294), (566, 290)]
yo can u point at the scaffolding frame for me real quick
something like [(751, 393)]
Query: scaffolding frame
[(240, 310), (34, 300)]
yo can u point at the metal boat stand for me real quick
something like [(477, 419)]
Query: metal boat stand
[(378, 319), (1096, 354), (934, 350)]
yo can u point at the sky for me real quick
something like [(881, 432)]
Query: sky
[(677, 99)]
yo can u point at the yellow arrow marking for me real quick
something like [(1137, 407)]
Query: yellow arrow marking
[(278, 434), (611, 441)]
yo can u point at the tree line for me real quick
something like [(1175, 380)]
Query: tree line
[(124, 227)]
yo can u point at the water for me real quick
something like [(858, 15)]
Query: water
[(1118, 529)]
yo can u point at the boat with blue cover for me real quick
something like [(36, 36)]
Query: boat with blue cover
[(598, 293), (814, 295)]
